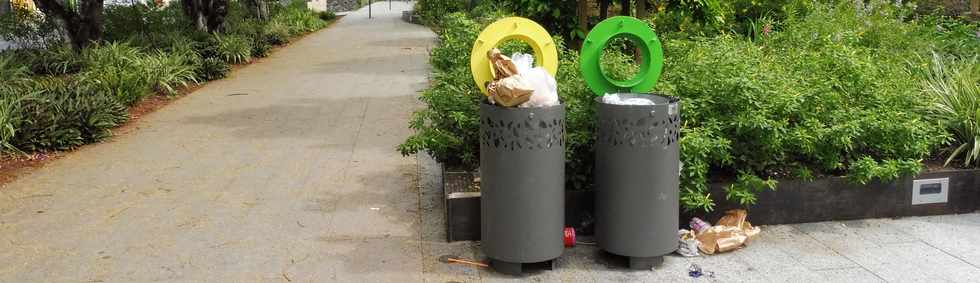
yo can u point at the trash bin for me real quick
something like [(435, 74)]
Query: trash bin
[(637, 178), (522, 171)]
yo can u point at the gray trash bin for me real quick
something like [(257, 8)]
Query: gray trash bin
[(522, 171), (637, 179)]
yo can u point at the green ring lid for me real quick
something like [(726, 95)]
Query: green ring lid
[(645, 40)]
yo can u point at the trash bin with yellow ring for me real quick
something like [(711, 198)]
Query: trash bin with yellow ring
[(522, 162), (545, 51)]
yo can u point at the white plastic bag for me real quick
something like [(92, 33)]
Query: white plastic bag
[(524, 62), (545, 87), (615, 99)]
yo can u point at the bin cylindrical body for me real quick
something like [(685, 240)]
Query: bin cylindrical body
[(637, 177), (522, 187)]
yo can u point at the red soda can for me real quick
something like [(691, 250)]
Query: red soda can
[(569, 237)]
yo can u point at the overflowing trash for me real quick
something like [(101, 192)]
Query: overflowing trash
[(517, 83), (698, 225), (731, 232), (695, 271), (616, 99), (688, 245)]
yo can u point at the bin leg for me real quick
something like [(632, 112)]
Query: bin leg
[(645, 263), (509, 268)]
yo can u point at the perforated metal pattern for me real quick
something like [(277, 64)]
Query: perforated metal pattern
[(529, 133), (648, 131)]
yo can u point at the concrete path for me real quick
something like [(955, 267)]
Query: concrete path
[(285, 171), (942, 248)]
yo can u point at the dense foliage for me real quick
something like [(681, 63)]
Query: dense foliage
[(783, 89), (56, 98)]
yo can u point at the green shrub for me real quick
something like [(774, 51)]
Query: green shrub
[(326, 15), (820, 96), (298, 18), (276, 33), (233, 49), (431, 12), (12, 74), (52, 61), (814, 93), (63, 114), (120, 71), (171, 71), (212, 69), (14, 78), (145, 20), (956, 85)]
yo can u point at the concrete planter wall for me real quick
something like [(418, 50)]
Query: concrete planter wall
[(794, 201), (836, 198)]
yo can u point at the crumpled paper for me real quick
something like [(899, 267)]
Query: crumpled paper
[(729, 233), (688, 244), (508, 88)]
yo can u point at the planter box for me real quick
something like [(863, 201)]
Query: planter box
[(794, 201), (835, 198), (462, 206)]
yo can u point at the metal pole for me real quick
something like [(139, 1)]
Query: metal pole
[(369, 9), (389, 5)]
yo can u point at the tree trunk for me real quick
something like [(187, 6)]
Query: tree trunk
[(604, 9), (208, 15), (625, 6), (258, 8), (975, 8), (83, 27), (641, 9)]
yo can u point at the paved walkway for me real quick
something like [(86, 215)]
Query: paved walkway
[(285, 171)]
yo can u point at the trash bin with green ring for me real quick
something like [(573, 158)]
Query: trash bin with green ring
[(522, 162), (637, 156)]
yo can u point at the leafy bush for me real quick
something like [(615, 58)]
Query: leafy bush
[(432, 11), (276, 33), (326, 15), (232, 48), (956, 84), (118, 70), (59, 60), (63, 114), (821, 96), (812, 90), (213, 68), (172, 71), (298, 18), (11, 94)]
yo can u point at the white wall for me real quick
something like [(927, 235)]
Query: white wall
[(317, 5)]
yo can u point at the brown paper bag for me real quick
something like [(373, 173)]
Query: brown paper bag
[(502, 65), (730, 233), (511, 91)]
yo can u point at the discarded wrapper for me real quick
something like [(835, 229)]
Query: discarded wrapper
[(698, 225), (688, 243), (729, 233), (508, 88), (503, 66), (510, 91)]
